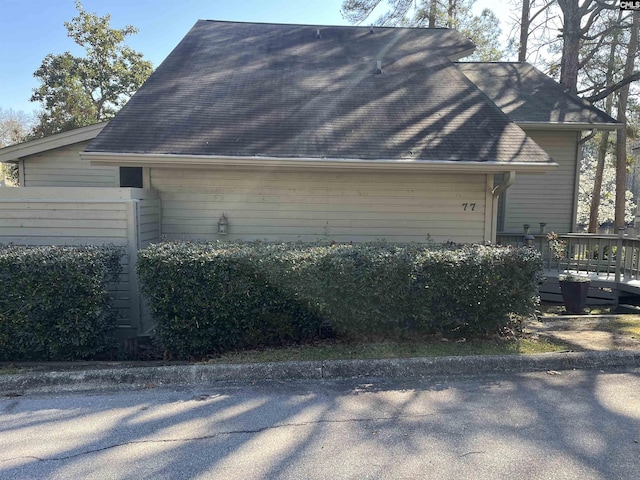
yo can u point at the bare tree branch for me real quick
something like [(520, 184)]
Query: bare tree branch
[(616, 86), (546, 7)]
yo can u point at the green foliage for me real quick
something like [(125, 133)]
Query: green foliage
[(476, 289), (213, 297), (80, 91), (54, 303)]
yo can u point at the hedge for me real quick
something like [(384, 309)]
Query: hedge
[(54, 303), (212, 297)]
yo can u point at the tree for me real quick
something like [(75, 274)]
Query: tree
[(608, 200), (79, 91), (621, 136), (604, 140), (14, 128), (533, 16), (483, 29), (598, 61)]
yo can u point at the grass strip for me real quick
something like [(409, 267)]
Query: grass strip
[(335, 350)]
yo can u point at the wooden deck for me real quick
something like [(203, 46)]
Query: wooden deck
[(611, 262)]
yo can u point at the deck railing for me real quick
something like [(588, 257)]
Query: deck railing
[(615, 256)]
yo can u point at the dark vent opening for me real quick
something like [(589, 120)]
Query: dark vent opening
[(131, 177)]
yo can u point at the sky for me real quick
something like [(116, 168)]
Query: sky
[(31, 29)]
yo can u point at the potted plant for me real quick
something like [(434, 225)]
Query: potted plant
[(574, 288)]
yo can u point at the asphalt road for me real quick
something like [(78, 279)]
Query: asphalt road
[(553, 425)]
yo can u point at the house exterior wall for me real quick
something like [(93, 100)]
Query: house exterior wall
[(63, 167), (545, 198), (309, 206)]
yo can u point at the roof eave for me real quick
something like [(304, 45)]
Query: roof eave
[(13, 153), (569, 126), (465, 53), (343, 164)]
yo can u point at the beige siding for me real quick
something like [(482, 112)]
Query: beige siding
[(290, 206), (148, 228), (549, 197), (70, 223), (63, 167), (148, 222)]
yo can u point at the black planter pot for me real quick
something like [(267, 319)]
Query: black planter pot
[(574, 295)]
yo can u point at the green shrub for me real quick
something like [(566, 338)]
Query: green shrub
[(54, 303), (212, 297), (476, 289)]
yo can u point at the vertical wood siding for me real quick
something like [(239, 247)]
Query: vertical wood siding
[(63, 167), (292, 206), (547, 197)]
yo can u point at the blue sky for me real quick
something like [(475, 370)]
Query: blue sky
[(31, 29)]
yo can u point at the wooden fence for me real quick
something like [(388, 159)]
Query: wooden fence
[(126, 217)]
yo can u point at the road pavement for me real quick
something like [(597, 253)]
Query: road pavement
[(542, 425)]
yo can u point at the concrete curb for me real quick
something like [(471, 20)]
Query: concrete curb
[(203, 374)]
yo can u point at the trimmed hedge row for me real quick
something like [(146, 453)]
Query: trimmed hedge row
[(212, 297), (54, 303)]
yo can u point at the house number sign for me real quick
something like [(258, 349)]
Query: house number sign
[(469, 206)]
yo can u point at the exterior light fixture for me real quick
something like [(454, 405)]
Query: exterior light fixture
[(223, 225), (529, 239)]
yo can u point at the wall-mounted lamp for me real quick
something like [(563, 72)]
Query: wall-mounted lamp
[(223, 225), (529, 239)]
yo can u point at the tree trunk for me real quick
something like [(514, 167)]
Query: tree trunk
[(433, 8), (570, 64), (451, 12), (604, 140), (621, 138), (597, 184), (524, 30)]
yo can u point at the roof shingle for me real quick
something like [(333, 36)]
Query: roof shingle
[(242, 89), (527, 95)]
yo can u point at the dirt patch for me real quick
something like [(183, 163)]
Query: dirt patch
[(585, 332)]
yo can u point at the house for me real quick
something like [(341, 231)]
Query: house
[(299, 132), (555, 120)]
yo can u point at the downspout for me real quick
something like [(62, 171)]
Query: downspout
[(21, 173), (588, 137), (509, 178), (576, 186)]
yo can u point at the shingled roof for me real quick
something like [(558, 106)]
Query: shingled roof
[(314, 92), (529, 96)]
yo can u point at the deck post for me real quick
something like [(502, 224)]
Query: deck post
[(618, 264)]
